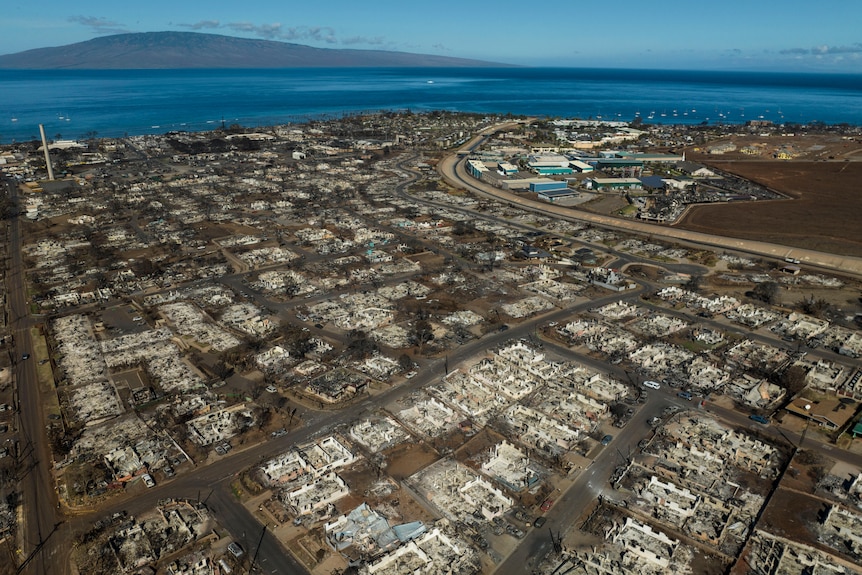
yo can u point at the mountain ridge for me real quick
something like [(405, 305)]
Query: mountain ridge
[(172, 50)]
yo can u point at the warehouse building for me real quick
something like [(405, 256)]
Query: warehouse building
[(581, 167), (620, 167), (652, 158), (552, 196), (610, 184), (522, 184), (549, 164), (507, 169), (476, 168), (548, 186)]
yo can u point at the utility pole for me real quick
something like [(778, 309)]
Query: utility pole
[(47, 156), (257, 549)]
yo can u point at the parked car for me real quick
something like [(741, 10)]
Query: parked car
[(148, 480), (539, 521), (607, 439), (235, 549), (759, 419), (652, 384), (684, 395), (546, 504)]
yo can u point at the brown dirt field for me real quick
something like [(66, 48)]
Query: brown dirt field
[(822, 216), (789, 515), (408, 458), (398, 506), (478, 445), (605, 204)]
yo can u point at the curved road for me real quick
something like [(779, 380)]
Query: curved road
[(46, 540), (452, 170)]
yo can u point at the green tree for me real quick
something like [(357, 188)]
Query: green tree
[(422, 333), (405, 362), (766, 292), (793, 379)]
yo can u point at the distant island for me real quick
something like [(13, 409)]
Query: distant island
[(165, 50)]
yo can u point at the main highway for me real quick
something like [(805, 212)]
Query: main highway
[(452, 170), (41, 547)]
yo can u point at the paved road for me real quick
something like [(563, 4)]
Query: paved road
[(211, 483), (452, 170), (42, 550), (588, 485), (45, 546), (622, 258)]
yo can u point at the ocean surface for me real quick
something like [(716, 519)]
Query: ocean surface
[(112, 103)]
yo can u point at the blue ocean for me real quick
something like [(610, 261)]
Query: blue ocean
[(111, 103)]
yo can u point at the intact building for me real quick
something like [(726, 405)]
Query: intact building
[(556, 195), (620, 167), (507, 169), (476, 168), (550, 164), (613, 184)]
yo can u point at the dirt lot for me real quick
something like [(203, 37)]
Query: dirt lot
[(605, 204), (408, 458), (790, 513), (820, 216)]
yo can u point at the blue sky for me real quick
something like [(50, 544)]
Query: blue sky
[(791, 35)]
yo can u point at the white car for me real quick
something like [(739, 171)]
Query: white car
[(148, 480), (652, 384)]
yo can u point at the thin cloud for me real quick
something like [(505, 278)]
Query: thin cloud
[(824, 50), (316, 33), (100, 26), (267, 31), (202, 25), (278, 32), (376, 41)]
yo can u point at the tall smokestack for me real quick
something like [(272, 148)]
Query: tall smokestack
[(47, 157)]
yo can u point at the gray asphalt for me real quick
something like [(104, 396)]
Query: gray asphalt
[(452, 170)]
